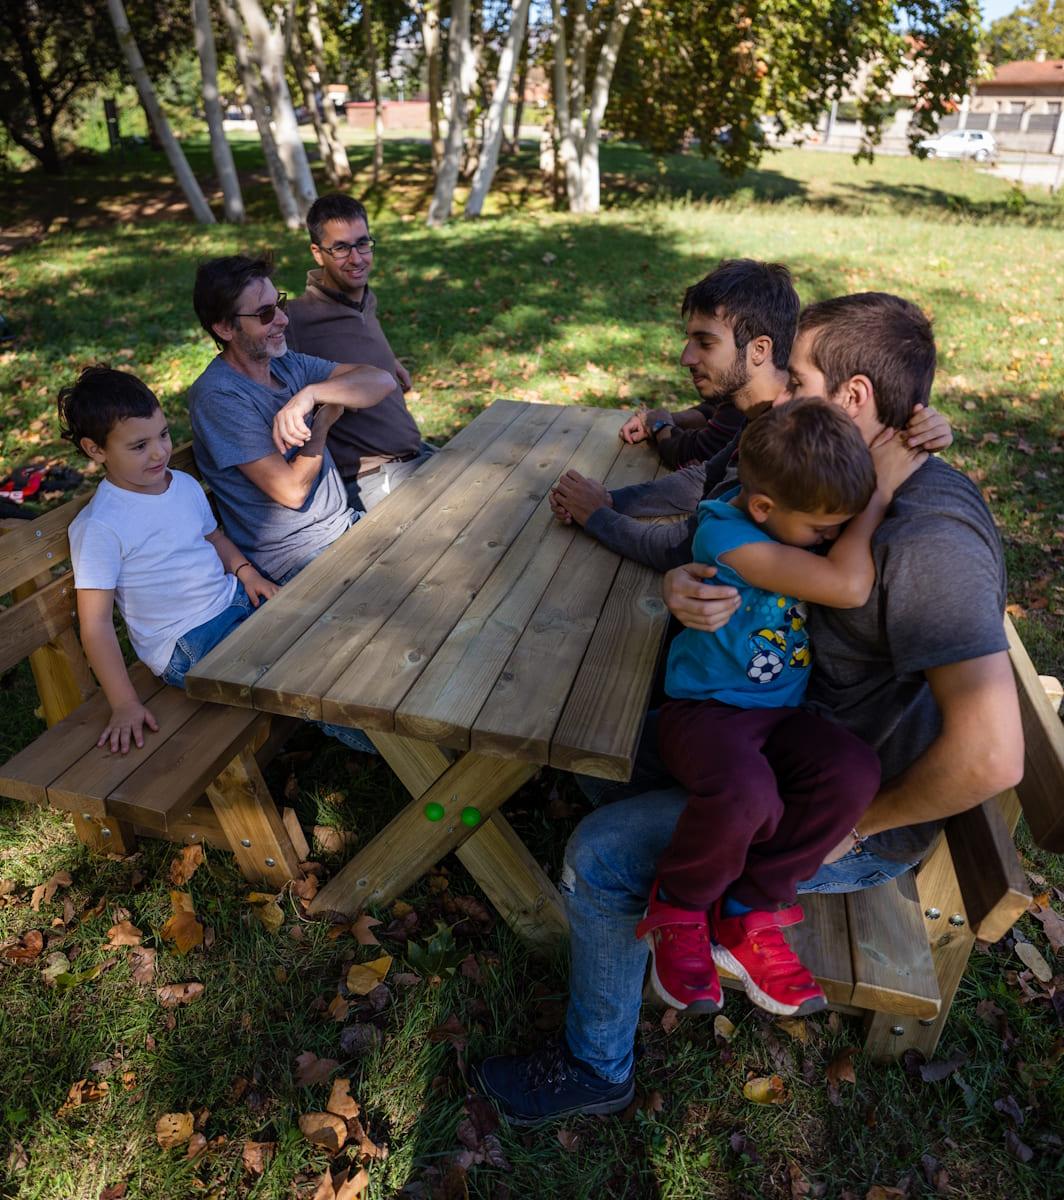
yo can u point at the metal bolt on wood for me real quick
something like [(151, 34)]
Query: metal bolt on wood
[(956, 919), (271, 862), (105, 832), (897, 1030), (246, 843), (932, 914), (86, 816)]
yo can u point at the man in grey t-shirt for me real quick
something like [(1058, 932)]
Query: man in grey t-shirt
[(921, 671), (260, 415)]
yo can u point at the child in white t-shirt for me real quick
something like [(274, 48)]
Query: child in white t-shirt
[(148, 540)]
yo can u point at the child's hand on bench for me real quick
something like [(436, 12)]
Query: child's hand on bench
[(127, 724)]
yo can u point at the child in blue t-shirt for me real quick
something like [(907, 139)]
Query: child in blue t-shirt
[(773, 788)]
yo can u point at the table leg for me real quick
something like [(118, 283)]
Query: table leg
[(411, 844)]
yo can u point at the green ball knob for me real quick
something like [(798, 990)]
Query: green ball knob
[(434, 812), (470, 816)]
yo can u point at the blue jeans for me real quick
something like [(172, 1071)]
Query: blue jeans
[(365, 493), (199, 642), (610, 864)]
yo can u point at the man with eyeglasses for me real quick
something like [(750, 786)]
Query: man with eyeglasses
[(336, 319), (260, 415)]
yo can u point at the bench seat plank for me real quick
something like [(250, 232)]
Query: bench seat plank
[(86, 784), (27, 776), (822, 942)]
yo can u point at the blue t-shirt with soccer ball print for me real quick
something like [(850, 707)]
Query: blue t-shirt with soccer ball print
[(761, 658)]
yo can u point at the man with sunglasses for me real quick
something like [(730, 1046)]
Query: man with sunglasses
[(336, 318), (260, 415)]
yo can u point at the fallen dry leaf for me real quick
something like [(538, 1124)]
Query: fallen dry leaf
[(125, 933), (257, 1155), (312, 1070), (765, 1089), (569, 1140), (305, 889), (266, 910), (44, 892), (197, 1143), (452, 1030), (343, 1185), (1052, 925), (174, 1129), (670, 1018), (333, 841), (339, 1008), (182, 928), (170, 995), (362, 929), (800, 1186), (341, 1102), (324, 1129), (878, 1192), (142, 964), (362, 978), (723, 1028), (1033, 960), (55, 964), (83, 1092), (840, 1070), (401, 909), (116, 1191), (25, 949), (795, 1028), (183, 867)]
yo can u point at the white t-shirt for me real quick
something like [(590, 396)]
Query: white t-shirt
[(151, 550)]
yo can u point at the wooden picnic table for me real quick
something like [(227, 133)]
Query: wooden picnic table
[(476, 639)]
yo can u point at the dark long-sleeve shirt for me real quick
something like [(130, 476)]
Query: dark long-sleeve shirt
[(687, 446)]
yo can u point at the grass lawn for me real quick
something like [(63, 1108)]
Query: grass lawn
[(526, 303)]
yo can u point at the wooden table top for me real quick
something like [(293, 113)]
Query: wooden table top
[(460, 612)]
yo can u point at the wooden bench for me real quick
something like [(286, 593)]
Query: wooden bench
[(197, 779), (896, 953)]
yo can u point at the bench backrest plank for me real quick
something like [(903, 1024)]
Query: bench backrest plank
[(36, 619)]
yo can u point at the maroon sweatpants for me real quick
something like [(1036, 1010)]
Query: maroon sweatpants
[(772, 791)]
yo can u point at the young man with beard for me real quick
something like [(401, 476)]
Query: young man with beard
[(754, 299), (336, 319)]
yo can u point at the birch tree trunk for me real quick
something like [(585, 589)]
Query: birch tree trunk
[(310, 98), (519, 101), (286, 200), (268, 42), (459, 64), (341, 166), (375, 91), (221, 151), (493, 122), (577, 136), (428, 15), (157, 118)]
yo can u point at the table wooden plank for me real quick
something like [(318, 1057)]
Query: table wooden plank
[(28, 774), (303, 674), (229, 672), (520, 714), (367, 694), (86, 784), (443, 704)]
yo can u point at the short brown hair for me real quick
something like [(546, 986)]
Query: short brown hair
[(884, 337), (98, 400), (809, 456), (757, 298), (219, 285)]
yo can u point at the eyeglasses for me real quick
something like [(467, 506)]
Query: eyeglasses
[(345, 249), (267, 313)]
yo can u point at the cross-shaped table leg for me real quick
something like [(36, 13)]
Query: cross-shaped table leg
[(411, 844)]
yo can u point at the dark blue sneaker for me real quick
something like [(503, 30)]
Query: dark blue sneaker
[(549, 1084)]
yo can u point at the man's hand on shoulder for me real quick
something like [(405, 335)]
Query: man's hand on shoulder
[(698, 605), (575, 498), (928, 430)]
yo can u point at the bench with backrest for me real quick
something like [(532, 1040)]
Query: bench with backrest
[(197, 779)]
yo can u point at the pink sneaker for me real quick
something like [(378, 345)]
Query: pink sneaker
[(681, 960), (753, 949)]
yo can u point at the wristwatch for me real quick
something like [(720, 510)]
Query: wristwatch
[(658, 426)]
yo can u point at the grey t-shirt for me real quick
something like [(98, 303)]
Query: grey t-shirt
[(232, 423), (939, 598)]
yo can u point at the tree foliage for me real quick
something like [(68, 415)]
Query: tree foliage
[(716, 71), (1036, 25)]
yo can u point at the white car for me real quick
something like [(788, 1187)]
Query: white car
[(962, 143)]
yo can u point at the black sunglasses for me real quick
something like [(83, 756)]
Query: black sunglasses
[(267, 313)]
